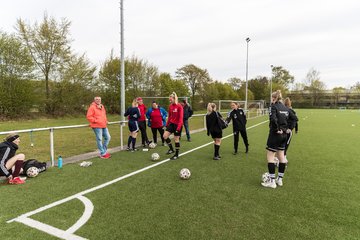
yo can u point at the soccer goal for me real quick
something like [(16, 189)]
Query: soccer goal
[(253, 105)]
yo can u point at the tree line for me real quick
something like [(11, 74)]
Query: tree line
[(41, 73)]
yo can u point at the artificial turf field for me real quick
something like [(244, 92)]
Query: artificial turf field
[(222, 199)]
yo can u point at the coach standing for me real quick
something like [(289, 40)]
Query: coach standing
[(96, 115)]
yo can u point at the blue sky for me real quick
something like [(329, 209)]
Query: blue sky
[(297, 35)]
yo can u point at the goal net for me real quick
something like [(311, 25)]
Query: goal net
[(254, 107)]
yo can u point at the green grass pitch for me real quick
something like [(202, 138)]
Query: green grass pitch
[(222, 199)]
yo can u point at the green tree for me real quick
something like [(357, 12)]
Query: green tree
[(49, 46), (194, 77), (337, 91), (235, 83), (281, 76), (75, 90), (16, 66), (314, 86), (260, 88)]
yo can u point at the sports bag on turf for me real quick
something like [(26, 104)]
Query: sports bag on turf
[(34, 163)]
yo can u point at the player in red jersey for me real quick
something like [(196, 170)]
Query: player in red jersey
[(174, 125)]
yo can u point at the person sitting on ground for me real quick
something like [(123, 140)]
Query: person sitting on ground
[(11, 163)]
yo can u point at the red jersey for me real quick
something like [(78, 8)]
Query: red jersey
[(176, 115), (156, 118), (142, 109)]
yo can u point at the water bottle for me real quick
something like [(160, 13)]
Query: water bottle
[(60, 162)]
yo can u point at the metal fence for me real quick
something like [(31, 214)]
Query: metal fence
[(196, 126)]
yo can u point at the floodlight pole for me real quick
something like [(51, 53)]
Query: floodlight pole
[(247, 67), (272, 66), (122, 62)]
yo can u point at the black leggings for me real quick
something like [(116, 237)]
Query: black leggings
[(154, 132), (142, 127), (236, 139)]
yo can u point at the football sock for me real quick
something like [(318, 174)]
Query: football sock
[(18, 166), (236, 141), (271, 168), (177, 148), (129, 141), (217, 148), (282, 167), (133, 142), (168, 141)]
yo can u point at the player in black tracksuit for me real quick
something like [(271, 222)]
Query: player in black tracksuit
[(292, 123), (279, 116), (213, 128), (133, 114), (238, 116)]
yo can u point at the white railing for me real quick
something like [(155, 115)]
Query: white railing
[(121, 123)]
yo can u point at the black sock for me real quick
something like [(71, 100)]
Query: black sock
[(129, 141), (217, 148), (168, 141), (271, 167), (133, 142), (177, 148), (282, 167)]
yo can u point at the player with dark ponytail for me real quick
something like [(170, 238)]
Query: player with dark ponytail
[(279, 116), (174, 125)]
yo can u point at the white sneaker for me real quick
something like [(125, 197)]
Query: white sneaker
[(279, 182), (270, 184)]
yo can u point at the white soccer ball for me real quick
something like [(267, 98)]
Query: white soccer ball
[(185, 173), (265, 177), (152, 145), (155, 156), (32, 172)]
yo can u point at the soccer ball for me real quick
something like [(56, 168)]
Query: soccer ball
[(185, 173), (152, 145), (155, 156), (265, 177), (32, 172)]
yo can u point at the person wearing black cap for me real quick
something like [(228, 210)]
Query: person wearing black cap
[(11, 163)]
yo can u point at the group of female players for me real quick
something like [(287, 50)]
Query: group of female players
[(282, 122)]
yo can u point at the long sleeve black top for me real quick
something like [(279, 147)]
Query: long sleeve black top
[(239, 119)]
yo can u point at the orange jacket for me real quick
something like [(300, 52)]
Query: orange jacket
[(96, 116)]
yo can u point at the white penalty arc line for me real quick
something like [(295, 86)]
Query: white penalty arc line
[(78, 195)]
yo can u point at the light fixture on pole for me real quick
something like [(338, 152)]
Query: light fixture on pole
[(247, 66), (272, 66)]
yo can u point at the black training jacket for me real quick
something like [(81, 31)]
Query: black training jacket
[(239, 119), (212, 123), (7, 151), (293, 123), (279, 117)]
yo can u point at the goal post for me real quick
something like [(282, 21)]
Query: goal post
[(256, 107)]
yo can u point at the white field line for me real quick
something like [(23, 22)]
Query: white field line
[(48, 229), (77, 195), (89, 207)]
